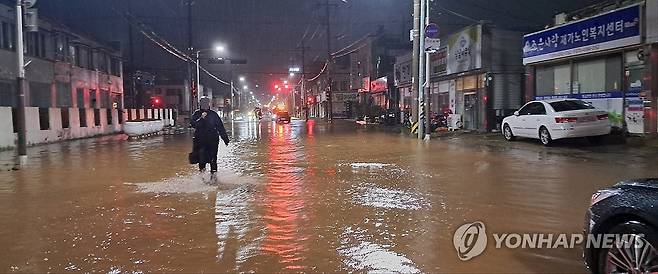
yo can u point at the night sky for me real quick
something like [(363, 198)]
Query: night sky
[(268, 32)]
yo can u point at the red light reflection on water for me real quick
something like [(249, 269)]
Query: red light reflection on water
[(283, 201)]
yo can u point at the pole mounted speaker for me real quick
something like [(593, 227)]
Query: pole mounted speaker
[(29, 3), (31, 20)]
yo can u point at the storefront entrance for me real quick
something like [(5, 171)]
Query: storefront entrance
[(471, 110)]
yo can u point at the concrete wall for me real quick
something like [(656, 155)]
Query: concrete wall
[(56, 133)]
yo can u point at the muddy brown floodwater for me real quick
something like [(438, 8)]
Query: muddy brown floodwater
[(298, 198)]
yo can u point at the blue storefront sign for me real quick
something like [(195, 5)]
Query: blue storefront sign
[(595, 95), (618, 28)]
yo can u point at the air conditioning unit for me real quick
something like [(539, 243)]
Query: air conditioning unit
[(560, 19)]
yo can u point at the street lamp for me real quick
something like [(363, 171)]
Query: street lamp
[(242, 79), (219, 49)]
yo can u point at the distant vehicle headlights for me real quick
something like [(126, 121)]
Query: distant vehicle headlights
[(604, 194)]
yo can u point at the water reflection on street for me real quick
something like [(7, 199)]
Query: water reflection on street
[(302, 197)]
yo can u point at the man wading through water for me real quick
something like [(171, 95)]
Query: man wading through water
[(208, 129)]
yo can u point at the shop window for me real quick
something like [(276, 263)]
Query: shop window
[(64, 112), (63, 96), (44, 119), (553, 80), (598, 75), (83, 116), (97, 117)]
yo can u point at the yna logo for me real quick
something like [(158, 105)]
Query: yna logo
[(470, 240)]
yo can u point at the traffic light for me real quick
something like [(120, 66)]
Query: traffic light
[(156, 102)]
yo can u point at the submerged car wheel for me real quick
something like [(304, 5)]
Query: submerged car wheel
[(507, 132), (634, 251), (545, 136)]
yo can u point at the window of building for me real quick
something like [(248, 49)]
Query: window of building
[(105, 99), (39, 95), (102, 61), (90, 59), (82, 112), (97, 117), (44, 119), (553, 80), (598, 75), (63, 95), (109, 116), (115, 67), (93, 99), (42, 45), (80, 97), (77, 56), (345, 85), (66, 123), (7, 36), (61, 46), (35, 44)]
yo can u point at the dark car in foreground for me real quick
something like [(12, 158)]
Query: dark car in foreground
[(628, 208), (283, 117)]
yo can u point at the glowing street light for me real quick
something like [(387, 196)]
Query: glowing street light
[(242, 79)]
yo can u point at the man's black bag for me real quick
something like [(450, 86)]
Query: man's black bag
[(193, 157)]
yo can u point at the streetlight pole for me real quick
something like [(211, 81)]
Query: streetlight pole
[(198, 76), (20, 81)]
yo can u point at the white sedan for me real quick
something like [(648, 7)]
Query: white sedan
[(557, 119)]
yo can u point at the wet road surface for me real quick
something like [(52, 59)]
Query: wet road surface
[(299, 197)]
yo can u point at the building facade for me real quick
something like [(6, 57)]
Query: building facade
[(477, 75), (74, 82), (608, 58)]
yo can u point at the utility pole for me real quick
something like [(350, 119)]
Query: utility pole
[(428, 63), (20, 82), (421, 73), (303, 86), (415, 61), (190, 48), (330, 110)]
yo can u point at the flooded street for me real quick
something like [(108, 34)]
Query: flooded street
[(299, 198)]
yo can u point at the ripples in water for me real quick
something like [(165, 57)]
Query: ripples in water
[(361, 255)]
